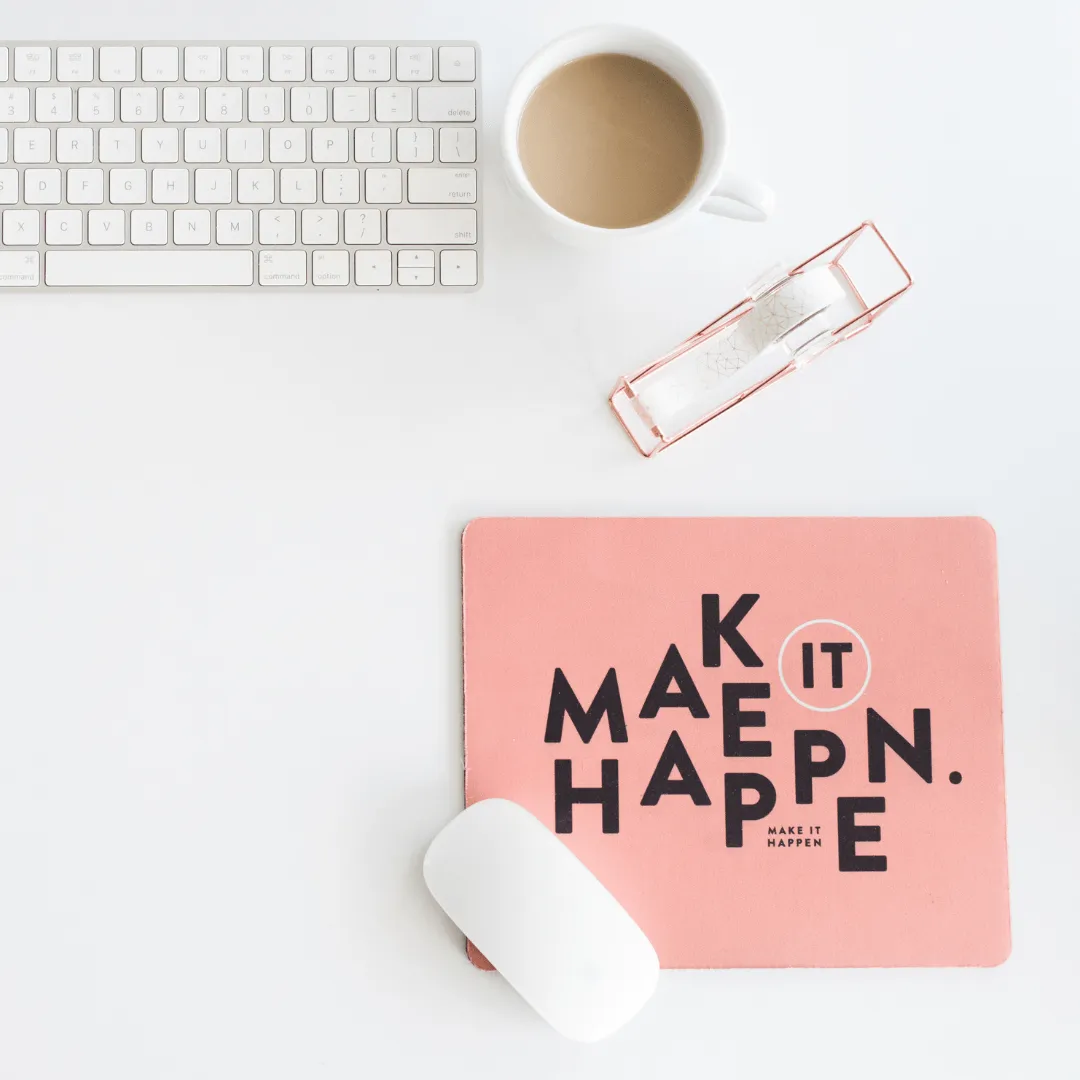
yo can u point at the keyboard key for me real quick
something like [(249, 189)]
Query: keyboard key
[(371, 144), (288, 63), (202, 63), (97, 104), (244, 145), (414, 63), (363, 227), (9, 186), (442, 185), (234, 226), (307, 104), (15, 105), (457, 63), (202, 145), (33, 146), (329, 64), (116, 63), (63, 227), (393, 104), (431, 226), (413, 257), (21, 228), (180, 105), (423, 275), (104, 227), (150, 228), (341, 185), (298, 185), (266, 104), (214, 187), (3, 146), (138, 105), (191, 228), (371, 63), (42, 187), (148, 268), (319, 226), (330, 268), (86, 187), (160, 63), (382, 185), (160, 145), (170, 186), (372, 268), (442, 104), (33, 64), (282, 267), (351, 105), (127, 186), (330, 144), (243, 63), (457, 267), (288, 144), (415, 144), (457, 144), (74, 64), (116, 145), (19, 269), (277, 226), (4, 63), (224, 105), (52, 104), (254, 186)]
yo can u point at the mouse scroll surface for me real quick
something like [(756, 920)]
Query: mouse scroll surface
[(542, 918)]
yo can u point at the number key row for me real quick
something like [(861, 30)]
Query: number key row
[(265, 104)]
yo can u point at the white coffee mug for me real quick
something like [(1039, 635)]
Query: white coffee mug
[(715, 190)]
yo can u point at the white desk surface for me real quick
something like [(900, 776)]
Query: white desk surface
[(230, 685)]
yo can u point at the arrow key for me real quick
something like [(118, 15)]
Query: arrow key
[(457, 267)]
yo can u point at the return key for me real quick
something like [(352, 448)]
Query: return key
[(442, 185)]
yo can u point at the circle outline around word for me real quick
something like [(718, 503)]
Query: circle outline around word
[(824, 708)]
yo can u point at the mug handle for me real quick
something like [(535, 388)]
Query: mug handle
[(738, 197)]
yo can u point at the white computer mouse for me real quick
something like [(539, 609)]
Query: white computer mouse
[(542, 918)]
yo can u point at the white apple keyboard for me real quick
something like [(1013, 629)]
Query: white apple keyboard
[(332, 165), (542, 918)]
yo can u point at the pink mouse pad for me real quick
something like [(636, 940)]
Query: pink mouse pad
[(778, 742)]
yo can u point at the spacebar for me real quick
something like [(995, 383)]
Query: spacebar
[(162, 268)]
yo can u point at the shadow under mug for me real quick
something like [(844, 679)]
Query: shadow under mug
[(715, 190)]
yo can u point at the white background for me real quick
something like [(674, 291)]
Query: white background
[(229, 644)]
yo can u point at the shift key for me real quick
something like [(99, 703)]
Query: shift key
[(431, 226), (442, 185)]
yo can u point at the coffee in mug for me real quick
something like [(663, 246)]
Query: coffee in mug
[(612, 133), (611, 141)]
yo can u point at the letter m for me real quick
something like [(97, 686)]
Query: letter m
[(564, 703)]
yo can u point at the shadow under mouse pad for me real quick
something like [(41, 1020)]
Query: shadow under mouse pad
[(777, 742)]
